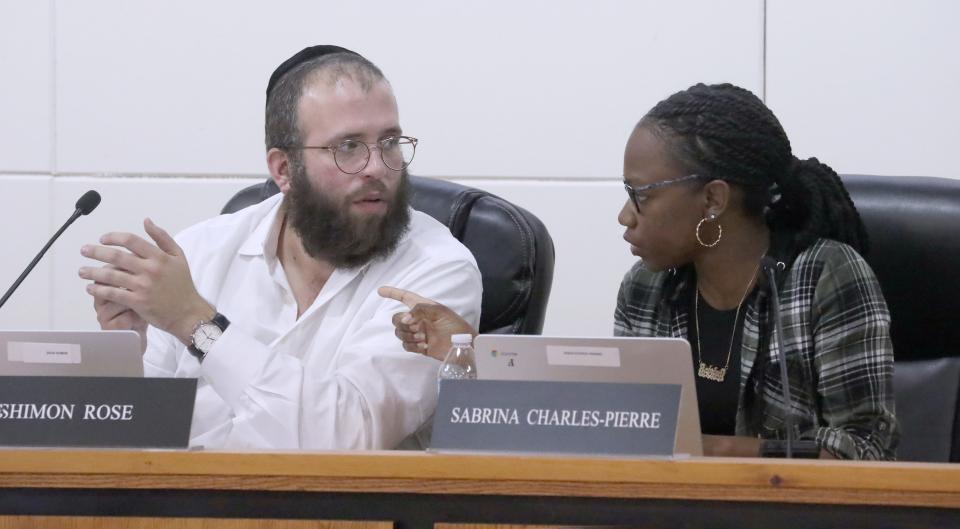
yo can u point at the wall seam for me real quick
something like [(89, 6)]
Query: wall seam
[(53, 88), (258, 177), (763, 51), (52, 258)]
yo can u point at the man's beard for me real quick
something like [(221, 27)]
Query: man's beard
[(327, 230)]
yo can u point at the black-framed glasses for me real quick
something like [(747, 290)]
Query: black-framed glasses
[(638, 194), (352, 156)]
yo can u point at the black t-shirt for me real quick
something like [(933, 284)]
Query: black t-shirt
[(717, 400)]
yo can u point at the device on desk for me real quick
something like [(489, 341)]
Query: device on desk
[(71, 353), (591, 359)]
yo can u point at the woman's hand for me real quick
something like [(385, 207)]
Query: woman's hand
[(738, 446), (428, 326), (730, 446)]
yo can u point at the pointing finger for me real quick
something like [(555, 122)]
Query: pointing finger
[(403, 296)]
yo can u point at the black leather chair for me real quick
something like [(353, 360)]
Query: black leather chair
[(913, 225), (513, 249)]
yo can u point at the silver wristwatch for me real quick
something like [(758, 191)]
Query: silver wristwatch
[(205, 334)]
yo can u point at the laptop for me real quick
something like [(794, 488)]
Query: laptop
[(71, 353), (622, 360)]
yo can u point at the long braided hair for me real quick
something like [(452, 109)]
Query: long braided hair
[(725, 132)]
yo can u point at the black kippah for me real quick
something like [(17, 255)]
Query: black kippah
[(303, 56)]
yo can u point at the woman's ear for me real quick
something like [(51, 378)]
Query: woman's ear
[(278, 162), (716, 198)]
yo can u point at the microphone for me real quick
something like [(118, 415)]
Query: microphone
[(87, 203), (771, 447)]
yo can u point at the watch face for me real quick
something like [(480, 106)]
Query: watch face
[(205, 336)]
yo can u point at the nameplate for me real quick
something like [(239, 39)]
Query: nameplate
[(104, 412), (556, 417)]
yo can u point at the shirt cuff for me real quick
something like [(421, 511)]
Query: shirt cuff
[(233, 363)]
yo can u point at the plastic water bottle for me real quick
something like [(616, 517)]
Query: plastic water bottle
[(459, 363)]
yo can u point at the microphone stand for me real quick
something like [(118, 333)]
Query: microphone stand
[(75, 216), (804, 449)]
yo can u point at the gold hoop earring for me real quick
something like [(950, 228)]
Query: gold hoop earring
[(719, 232)]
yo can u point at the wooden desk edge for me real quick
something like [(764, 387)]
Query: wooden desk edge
[(825, 482)]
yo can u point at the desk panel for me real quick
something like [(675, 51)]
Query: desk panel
[(421, 489)]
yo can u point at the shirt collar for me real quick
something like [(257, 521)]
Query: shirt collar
[(264, 238)]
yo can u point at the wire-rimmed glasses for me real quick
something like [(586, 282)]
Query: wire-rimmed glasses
[(352, 156)]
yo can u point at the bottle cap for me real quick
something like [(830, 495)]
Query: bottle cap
[(462, 339)]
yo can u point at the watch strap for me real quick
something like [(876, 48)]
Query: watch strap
[(220, 321)]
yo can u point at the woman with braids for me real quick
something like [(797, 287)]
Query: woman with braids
[(713, 188)]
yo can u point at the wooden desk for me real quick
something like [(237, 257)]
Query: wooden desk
[(417, 489)]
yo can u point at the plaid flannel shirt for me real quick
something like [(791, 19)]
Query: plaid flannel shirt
[(837, 338)]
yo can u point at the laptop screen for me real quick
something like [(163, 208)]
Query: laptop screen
[(71, 353)]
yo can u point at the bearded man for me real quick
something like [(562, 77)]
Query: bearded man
[(274, 309)]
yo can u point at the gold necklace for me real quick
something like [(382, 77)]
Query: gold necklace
[(705, 370)]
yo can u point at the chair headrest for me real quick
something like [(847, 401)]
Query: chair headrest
[(913, 225), (513, 249)]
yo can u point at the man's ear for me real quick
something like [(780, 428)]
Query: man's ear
[(278, 163), (716, 198)]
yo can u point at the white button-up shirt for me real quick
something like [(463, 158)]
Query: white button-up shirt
[(337, 377)]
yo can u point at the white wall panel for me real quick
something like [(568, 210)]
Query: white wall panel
[(514, 97), (173, 203), (161, 87), (501, 88), (591, 255), (868, 86), (25, 228), (25, 90)]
